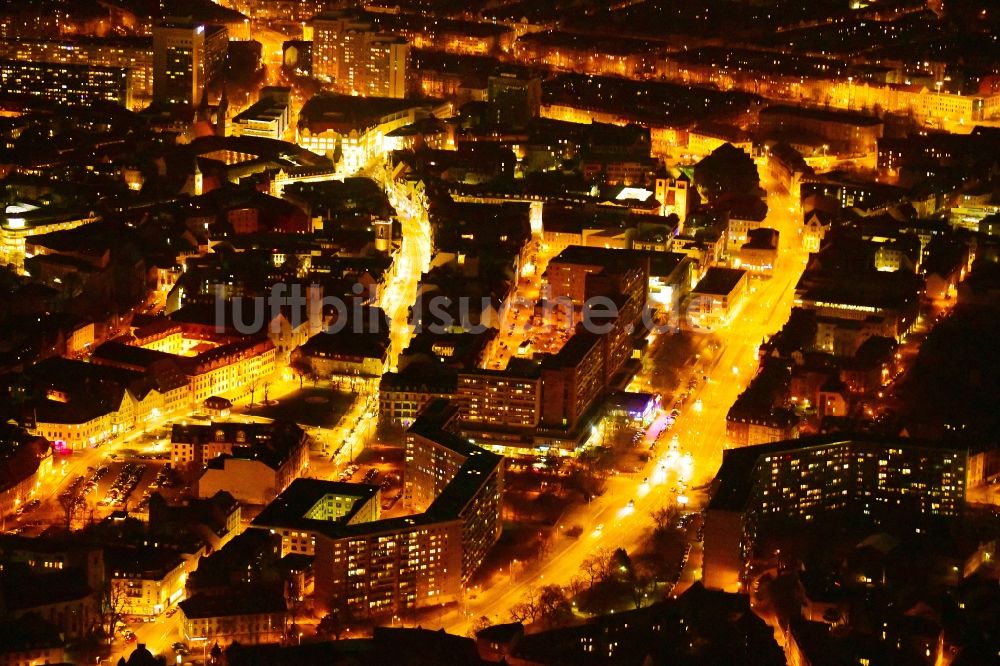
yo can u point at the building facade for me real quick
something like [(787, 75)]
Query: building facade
[(186, 57), (860, 479), (400, 564), (357, 58), (65, 83), (134, 55)]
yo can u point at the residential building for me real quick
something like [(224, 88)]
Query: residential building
[(845, 132), (298, 513), (402, 395), (253, 462), (359, 60), (132, 54), (25, 462), (499, 398), (247, 614), (577, 273), (147, 580), (759, 254), (31, 640), (65, 83), (230, 369), (859, 478), (400, 564), (574, 380)]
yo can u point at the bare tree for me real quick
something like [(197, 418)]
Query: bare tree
[(113, 600), (597, 566), (663, 517), (576, 585), (252, 385), (527, 610), (69, 504)]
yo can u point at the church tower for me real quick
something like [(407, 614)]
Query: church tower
[(199, 179), (222, 114)]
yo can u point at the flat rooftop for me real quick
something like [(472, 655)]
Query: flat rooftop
[(825, 115), (738, 474), (720, 281), (290, 508)]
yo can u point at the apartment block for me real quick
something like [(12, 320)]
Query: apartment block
[(861, 479), (65, 83), (357, 58)]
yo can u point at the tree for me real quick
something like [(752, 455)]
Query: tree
[(479, 624), (267, 390), (640, 583), (664, 518), (621, 567), (526, 611), (113, 601), (333, 624), (595, 567), (252, 385), (554, 608), (70, 505)]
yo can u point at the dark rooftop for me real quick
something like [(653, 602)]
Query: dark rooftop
[(240, 600), (738, 474), (720, 281), (825, 115)]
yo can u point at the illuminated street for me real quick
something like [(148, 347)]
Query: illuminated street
[(701, 434)]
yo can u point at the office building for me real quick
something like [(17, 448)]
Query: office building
[(358, 128), (186, 57), (267, 118), (861, 479), (716, 298), (356, 58)]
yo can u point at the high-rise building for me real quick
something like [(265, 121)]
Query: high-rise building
[(357, 58), (186, 56), (859, 478), (380, 565), (514, 99)]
